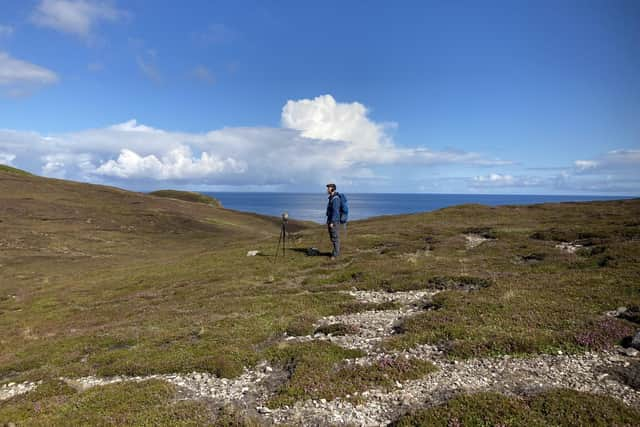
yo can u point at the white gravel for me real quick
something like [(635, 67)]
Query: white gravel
[(508, 375), (474, 240), (568, 247), (370, 327), (9, 390)]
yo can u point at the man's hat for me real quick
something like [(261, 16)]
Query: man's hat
[(331, 185)]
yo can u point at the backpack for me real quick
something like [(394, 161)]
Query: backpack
[(344, 209)]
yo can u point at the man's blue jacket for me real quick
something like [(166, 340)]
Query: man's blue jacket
[(333, 209)]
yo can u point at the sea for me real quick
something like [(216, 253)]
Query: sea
[(311, 206)]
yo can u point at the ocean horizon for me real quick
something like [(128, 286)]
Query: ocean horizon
[(311, 206)]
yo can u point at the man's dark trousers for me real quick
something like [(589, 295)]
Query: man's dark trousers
[(334, 234)]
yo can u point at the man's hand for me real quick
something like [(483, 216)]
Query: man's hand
[(331, 225)]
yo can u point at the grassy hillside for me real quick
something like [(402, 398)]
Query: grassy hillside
[(188, 196), (89, 271), (99, 281), (15, 171)]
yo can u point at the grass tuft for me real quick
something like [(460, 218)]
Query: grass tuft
[(604, 333), (317, 371), (336, 329), (128, 404), (466, 283), (557, 407)]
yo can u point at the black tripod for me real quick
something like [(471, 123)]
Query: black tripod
[(283, 235)]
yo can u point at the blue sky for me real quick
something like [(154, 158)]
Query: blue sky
[(538, 97)]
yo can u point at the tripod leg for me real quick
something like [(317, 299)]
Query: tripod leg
[(278, 247), (284, 238)]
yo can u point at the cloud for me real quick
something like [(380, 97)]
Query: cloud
[(613, 184), (177, 164), (325, 119), (495, 178), (7, 158), (616, 172), (583, 165), (320, 139), (72, 165), (76, 17), (133, 126), (203, 74), (506, 180), (21, 78), (613, 161), (6, 31)]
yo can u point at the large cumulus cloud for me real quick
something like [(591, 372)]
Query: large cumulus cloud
[(320, 139)]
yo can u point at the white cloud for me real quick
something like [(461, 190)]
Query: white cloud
[(325, 119), (6, 30), (17, 71), (6, 158), (177, 164), (133, 126), (320, 140), (21, 77), (67, 164), (507, 180), (583, 165), (613, 161), (54, 165), (616, 172), (77, 17), (494, 177)]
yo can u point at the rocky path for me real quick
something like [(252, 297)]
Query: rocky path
[(506, 375), (512, 376), (369, 328)]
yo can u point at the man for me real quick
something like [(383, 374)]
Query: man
[(333, 219)]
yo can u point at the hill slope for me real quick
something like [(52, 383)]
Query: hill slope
[(49, 217), (188, 196), (99, 281)]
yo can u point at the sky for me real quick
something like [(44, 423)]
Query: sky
[(496, 97)]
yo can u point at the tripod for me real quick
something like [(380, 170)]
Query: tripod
[(283, 236)]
